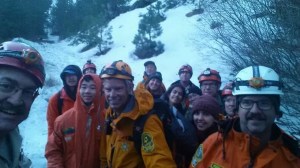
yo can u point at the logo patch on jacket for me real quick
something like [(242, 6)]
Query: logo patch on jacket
[(197, 156), (147, 142), (214, 165), (69, 130), (68, 133)]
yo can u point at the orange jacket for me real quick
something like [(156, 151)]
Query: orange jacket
[(52, 111), (237, 153), (76, 138), (121, 151)]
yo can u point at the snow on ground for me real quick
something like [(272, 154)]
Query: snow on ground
[(185, 43)]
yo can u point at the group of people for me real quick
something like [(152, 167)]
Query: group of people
[(104, 121)]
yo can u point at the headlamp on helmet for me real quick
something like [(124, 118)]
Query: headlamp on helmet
[(118, 69), (23, 57), (89, 64), (209, 75), (257, 80)]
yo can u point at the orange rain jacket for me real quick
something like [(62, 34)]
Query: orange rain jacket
[(52, 111), (77, 134), (121, 152), (237, 153)]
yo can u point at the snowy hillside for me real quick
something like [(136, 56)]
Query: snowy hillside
[(186, 42)]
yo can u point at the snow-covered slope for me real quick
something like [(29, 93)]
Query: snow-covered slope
[(186, 42)]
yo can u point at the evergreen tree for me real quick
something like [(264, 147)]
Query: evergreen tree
[(98, 35), (63, 21), (115, 7), (22, 19), (149, 29)]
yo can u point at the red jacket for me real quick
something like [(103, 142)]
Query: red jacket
[(52, 111), (236, 150), (77, 134)]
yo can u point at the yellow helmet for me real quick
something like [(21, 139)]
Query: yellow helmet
[(117, 69)]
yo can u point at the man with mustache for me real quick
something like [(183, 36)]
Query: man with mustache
[(253, 140), (21, 75), (64, 99)]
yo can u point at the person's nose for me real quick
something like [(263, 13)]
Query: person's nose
[(255, 108)]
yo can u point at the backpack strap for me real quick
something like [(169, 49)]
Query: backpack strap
[(291, 144), (158, 109), (138, 129), (60, 103)]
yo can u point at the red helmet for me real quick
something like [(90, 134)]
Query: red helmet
[(89, 64), (23, 57), (186, 68), (226, 92), (209, 75)]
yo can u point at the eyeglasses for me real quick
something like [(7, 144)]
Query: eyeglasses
[(263, 104), (10, 87)]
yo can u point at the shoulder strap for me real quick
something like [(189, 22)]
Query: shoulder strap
[(138, 129), (291, 144), (60, 103), (139, 124)]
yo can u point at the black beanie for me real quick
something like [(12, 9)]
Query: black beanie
[(71, 69), (208, 104), (157, 75)]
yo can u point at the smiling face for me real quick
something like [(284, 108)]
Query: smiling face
[(16, 97), (71, 80), (185, 76), (87, 91), (176, 96), (254, 120), (230, 104), (154, 84), (203, 120), (116, 93), (210, 88)]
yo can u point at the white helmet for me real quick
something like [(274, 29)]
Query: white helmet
[(257, 80)]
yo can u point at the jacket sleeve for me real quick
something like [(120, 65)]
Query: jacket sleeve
[(155, 150), (52, 113), (103, 159), (54, 148)]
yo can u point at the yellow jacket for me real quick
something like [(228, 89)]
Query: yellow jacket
[(121, 151)]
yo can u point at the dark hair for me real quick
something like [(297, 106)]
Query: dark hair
[(87, 78), (168, 92)]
